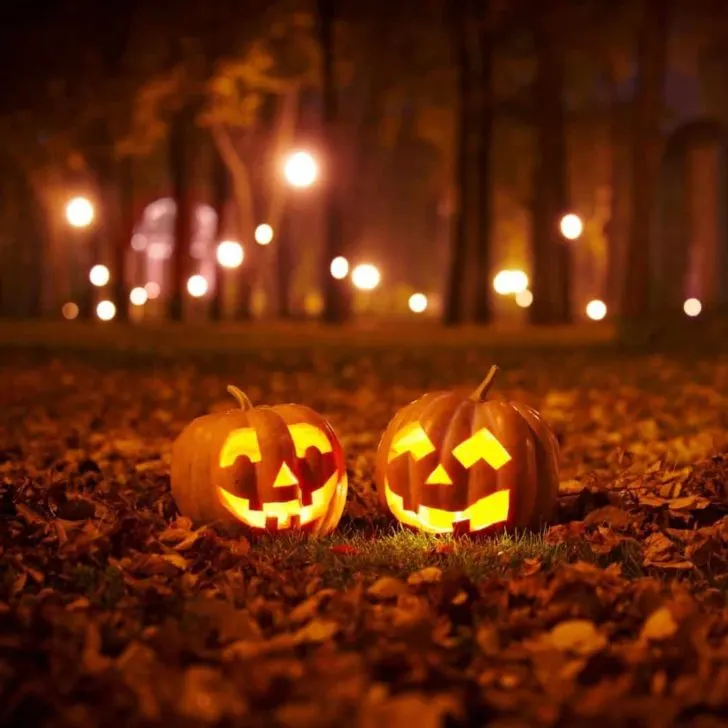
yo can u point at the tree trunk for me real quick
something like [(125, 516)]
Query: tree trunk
[(483, 311), (220, 193), (551, 283), (651, 59), (123, 193), (454, 298), (245, 204), (279, 207), (180, 167), (337, 294)]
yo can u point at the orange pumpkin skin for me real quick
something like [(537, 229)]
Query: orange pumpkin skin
[(269, 468), (448, 463)]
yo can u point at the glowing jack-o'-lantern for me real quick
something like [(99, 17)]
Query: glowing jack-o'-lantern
[(448, 463), (269, 468)]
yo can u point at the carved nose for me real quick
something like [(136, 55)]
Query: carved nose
[(285, 477), (438, 476)]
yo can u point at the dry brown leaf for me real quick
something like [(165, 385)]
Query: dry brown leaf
[(579, 636), (660, 625)]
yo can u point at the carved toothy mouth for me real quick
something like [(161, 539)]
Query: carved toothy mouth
[(286, 513), (487, 511)]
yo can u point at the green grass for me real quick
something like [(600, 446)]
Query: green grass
[(399, 552)]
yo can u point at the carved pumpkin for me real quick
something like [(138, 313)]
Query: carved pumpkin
[(269, 468), (448, 463)]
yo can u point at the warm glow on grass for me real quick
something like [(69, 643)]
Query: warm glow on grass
[(510, 281), (524, 298), (99, 275), (301, 169), (106, 310), (571, 226), (366, 277), (230, 254), (596, 310), (69, 311), (418, 303), (197, 286), (339, 268), (692, 307), (79, 212), (138, 296), (263, 234)]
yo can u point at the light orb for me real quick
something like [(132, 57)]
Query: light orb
[(596, 310), (366, 277), (692, 307), (197, 286), (263, 234), (106, 310), (417, 303), (99, 275), (230, 254), (138, 296), (339, 268)]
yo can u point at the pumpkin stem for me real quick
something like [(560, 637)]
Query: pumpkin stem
[(481, 392), (240, 396)]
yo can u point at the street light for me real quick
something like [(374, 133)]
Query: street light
[(596, 310), (230, 254), (79, 212), (300, 169), (524, 298), (366, 277), (417, 303), (692, 307), (138, 296), (197, 286), (99, 276), (571, 226), (510, 281), (106, 310), (339, 268), (153, 289), (70, 311), (263, 234)]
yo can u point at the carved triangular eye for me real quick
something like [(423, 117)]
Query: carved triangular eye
[(305, 435), (285, 477), (438, 476), (412, 439), (483, 445), (243, 441)]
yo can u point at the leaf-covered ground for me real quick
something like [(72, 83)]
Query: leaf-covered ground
[(114, 610)]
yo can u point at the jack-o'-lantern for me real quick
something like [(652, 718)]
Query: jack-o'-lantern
[(269, 468), (449, 463)]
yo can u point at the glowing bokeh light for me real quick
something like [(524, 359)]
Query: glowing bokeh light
[(197, 286), (596, 310), (153, 290), (366, 277), (571, 226), (70, 311), (79, 212), (506, 282), (301, 169), (313, 303), (230, 254), (339, 268), (692, 307), (524, 298), (105, 310), (417, 303), (99, 275), (263, 234), (138, 296)]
